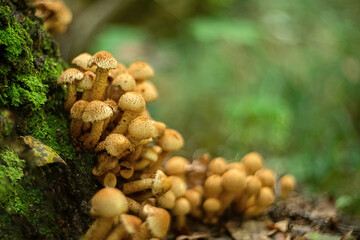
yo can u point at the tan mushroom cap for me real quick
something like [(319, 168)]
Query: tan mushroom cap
[(112, 104), (212, 205), (182, 206), (213, 186), (233, 180), (178, 186), (87, 82), (108, 202), (160, 128), (176, 165), (131, 223), (287, 183), (96, 111), (103, 59), (253, 185), (141, 71), (150, 154), (171, 140), (116, 144), (217, 166), (166, 200), (194, 197), (161, 183), (142, 127), (266, 196), (132, 101), (113, 73), (78, 109), (267, 177), (158, 220), (253, 161), (69, 76), (125, 81), (147, 90), (82, 61)]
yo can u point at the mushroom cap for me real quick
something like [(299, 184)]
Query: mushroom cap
[(132, 101), (78, 109), (267, 177), (150, 154), (167, 200), (142, 128), (171, 140), (194, 197), (87, 82), (213, 186), (113, 73), (69, 76), (126, 169), (182, 206), (125, 81), (96, 111), (253, 161), (161, 183), (111, 103), (237, 165), (103, 59), (176, 165), (131, 223), (116, 144), (108, 202), (216, 166), (53, 10), (253, 185), (141, 71), (147, 90), (82, 61), (212, 205), (266, 196), (158, 220), (233, 180), (287, 183), (110, 180), (160, 128), (178, 186)]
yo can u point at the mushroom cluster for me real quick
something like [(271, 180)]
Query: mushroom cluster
[(107, 104)]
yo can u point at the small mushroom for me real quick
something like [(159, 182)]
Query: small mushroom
[(253, 186), (287, 185), (213, 186), (216, 166), (177, 166), (104, 62), (167, 200), (181, 208), (82, 61), (76, 113), (267, 177), (69, 78), (141, 128), (147, 90), (122, 83), (141, 71), (195, 199), (211, 206), (253, 162), (86, 85)]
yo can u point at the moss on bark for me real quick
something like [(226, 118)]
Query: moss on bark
[(47, 202)]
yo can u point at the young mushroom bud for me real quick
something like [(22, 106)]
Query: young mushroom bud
[(105, 205), (76, 113), (178, 186), (86, 85), (132, 103), (253, 162), (267, 177), (253, 186), (177, 166), (181, 208), (213, 186), (287, 185), (195, 199), (69, 78), (141, 71), (166, 200), (96, 112), (122, 83), (216, 166), (147, 90), (237, 165), (82, 61), (104, 62), (211, 206)]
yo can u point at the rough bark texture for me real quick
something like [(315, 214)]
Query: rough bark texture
[(49, 202)]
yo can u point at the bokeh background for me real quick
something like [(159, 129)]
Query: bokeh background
[(278, 77)]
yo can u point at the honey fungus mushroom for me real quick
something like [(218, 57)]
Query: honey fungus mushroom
[(147, 90), (141, 71), (82, 61), (69, 78), (76, 113), (287, 185), (122, 83), (86, 85), (253, 162)]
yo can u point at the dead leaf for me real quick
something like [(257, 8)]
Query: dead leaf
[(282, 226), (325, 209)]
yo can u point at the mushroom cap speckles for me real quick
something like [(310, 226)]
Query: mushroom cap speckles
[(97, 111), (158, 220), (132, 101), (78, 109), (161, 183), (87, 82), (108, 202), (116, 144), (142, 127), (171, 141), (113, 73), (147, 90), (69, 76), (125, 81), (141, 71), (103, 60), (111, 103)]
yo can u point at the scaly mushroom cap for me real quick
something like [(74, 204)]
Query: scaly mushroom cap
[(161, 183), (96, 111), (132, 101), (150, 154), (182, 206), (113, 73), (116, 144), (108, 202), (69, 76), (103, 60), (176, 165), (82, 61), (141, 71), (212, 205), (216, 166), (158, 220), (287, 183), (178, 186), (171, 140), (112, 104), (78, 109), (253, 185), (253, 162), (87, 82), (147, 90), (266, 196), (213, 186), (125, 81), (142, 128), (131, 223), (267, 177), (233, 180)]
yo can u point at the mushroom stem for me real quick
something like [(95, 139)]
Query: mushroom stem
[(94, 135), (138, 185), (127, 117), (100, 84), (75, 128), (134, 206), (99, 229), (86, 95), (158, 164), (226, 199), (136, 154), (71, 96), (118, 233)]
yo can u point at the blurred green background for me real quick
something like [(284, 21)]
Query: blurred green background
[(278, 77)]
